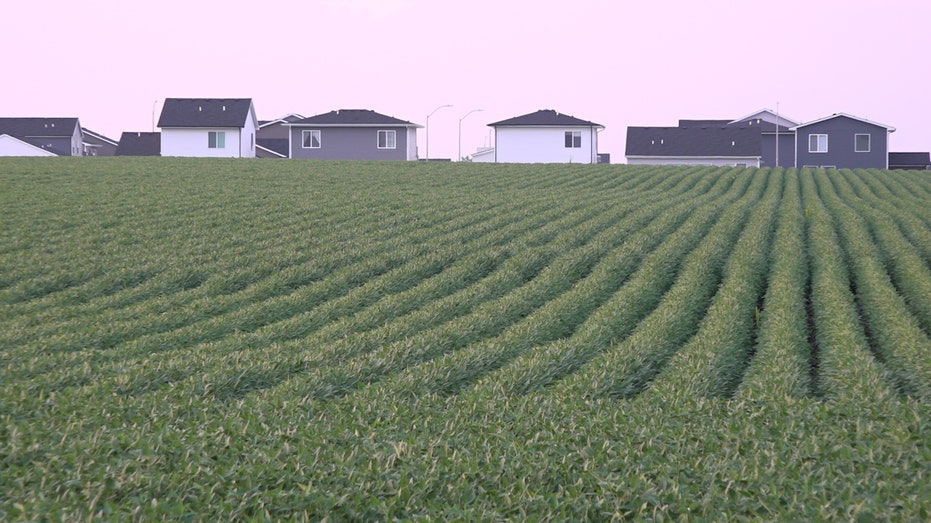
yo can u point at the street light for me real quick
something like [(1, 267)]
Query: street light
[(428, 127), (460, 131)]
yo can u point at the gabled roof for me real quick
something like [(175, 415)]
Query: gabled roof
[(729, 141), (87, 132), (352, 118), (44, 127), (768, 115), (843, 115), (704, 123), (545, 117), (288, 118), (22, 147), (140, 144), (205, 112)]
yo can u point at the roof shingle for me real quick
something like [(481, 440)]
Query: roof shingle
[(353, 117), (205, 112), (545, 117)]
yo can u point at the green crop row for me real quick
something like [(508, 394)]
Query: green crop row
[(713, 361), (784, 362), (894, 334)]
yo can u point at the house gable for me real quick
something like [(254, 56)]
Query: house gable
[(843, 141)]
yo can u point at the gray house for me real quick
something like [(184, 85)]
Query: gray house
[(271, 138), (96, 144), (842, 141), (352, 134), (751, 141), (41, 136)]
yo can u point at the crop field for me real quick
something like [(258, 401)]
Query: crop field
[(287, 340)]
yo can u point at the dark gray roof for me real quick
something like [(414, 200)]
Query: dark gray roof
[(545, 117), (694, 141), (353, 117), (139, 144), (910, 159), (47, 127), (204, 112), (279, 145), (704, 123)]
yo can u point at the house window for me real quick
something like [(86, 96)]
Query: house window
[(861, 143), (387, 139), (817, 143), (573, 139), (310, 139), (216, 139)]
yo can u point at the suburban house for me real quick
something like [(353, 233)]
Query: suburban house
[(96, 144), (352, 134), (139, 144), (750, 141), (910, 161), (41, 137), (839, 141), (208, 127), (544, 136), (272, 136), (842, 141)]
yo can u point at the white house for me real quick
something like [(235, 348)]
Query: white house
[(208, 127), (545, 136)]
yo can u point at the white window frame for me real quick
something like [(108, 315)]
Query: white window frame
[(311, 132), (576, 137), (817, 148), (869, 142), (218, 139), (391, 139)]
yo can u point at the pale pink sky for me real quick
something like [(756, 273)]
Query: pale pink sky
[(615, 62)]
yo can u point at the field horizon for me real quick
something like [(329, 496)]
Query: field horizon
[(280, 340)]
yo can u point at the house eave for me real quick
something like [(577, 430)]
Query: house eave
[(372, 125)]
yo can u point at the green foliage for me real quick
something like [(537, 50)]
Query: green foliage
[(288, 340)]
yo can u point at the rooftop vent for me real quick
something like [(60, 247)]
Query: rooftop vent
[(224, 107), (200, 108)]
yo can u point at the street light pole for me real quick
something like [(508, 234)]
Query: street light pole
[(153, 114), (428, 127), (460, 131)]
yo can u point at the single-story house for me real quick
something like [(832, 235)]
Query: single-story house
[(910, 161), (208, 127), (544, 136), (139, 144), (54, 136), (842, 141), (96, 144), (352, 134)]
